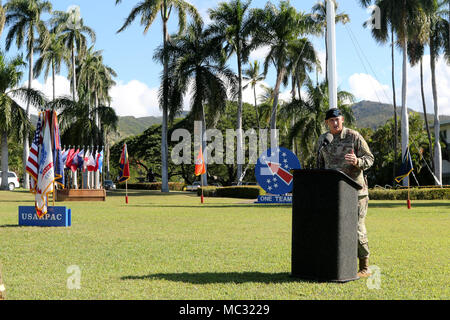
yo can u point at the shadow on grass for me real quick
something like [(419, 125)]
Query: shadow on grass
[(10, 226), (228, 277), (390, 205)]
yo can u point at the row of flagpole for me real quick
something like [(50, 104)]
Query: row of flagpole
[(76, 159), (46, 162)]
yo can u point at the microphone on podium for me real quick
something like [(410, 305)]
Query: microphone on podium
[(326, 141)]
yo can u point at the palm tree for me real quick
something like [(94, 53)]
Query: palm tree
[(399, 15), (300, 63), (253, 76), (319, 15), (52, 53), (73, 34), (13, 118), (196, 60), (148, 10), (279, 28), (416, 51), (232, 23), (2, 17), (438, 36), (95, 81), (24, 17)]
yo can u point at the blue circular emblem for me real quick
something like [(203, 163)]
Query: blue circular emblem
[(272, 170)]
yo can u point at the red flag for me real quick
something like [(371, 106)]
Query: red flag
[(124, 166), (200, 167)]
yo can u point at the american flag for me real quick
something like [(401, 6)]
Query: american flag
[(33, 162)]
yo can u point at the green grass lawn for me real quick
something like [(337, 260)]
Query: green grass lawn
[(172, 247)]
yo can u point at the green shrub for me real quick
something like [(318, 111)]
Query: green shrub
[(243, 192), (414, 194), (173, 186), (207, 191)]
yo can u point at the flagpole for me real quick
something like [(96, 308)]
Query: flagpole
[(409, 199), (201, 178), (126, 192)]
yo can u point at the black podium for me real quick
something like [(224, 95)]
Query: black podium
[(324, 226)]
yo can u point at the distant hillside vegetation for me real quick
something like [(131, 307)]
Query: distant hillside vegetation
[(371, 114)]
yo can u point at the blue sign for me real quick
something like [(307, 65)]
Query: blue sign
[(274, 199), (273, 170), (55, 217)]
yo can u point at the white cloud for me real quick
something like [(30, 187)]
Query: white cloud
[(414, 97), (62, 88), (248, 95), (135, 99), (260, 53), (366, 87), (128, 99)]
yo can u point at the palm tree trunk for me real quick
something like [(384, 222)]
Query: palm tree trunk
[(256, 108), (4, 185), (395, 106), (53, 79), (240, 149), (326, 53), (430, 141), (26, 143), (97, 123), (164, 143), (74, 78), (437, 125), (405, 121), (276, 93)]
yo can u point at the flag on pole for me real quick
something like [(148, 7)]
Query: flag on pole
[(99, 162), (200, 167), (91, 163), (57, 154), (46, 175), (32, 166), (64, 156), (71, 158), (80, 160), (86, 159), (124, 166), (406, 167)]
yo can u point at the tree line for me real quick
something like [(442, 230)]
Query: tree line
[(86, 117)]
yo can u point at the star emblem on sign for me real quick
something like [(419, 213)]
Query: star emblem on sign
[(273, 170)]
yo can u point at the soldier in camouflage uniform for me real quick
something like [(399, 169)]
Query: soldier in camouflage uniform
[(349, 153)]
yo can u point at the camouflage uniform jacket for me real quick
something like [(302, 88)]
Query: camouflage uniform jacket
[(332, 156)]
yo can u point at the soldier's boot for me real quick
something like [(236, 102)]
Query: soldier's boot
[(364, 268)]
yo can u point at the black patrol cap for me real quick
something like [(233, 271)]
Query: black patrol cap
[(333, 113)]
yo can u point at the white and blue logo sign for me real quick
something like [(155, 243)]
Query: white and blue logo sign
[(273, 170)]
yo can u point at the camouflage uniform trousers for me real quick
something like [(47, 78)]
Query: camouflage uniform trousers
[(363, 242)]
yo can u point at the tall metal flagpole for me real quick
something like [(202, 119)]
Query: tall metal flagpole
[(331, 41)]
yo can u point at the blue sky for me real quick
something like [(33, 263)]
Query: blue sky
[(364, 67)]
